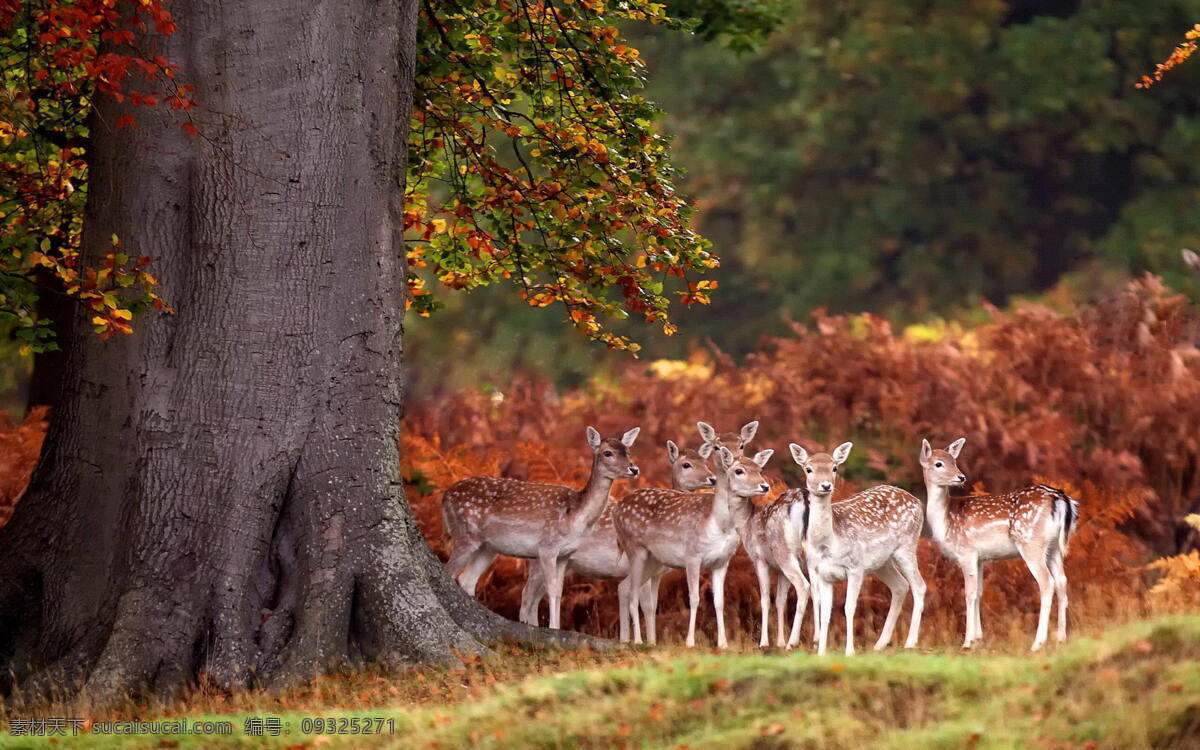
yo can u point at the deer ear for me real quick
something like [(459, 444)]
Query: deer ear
[(926, 451), (956, 447), (628, 438), (705, 450), (707, 433), (762, 457), (593, 437), (1191, 258), (842, 452), (799, 455), (748, 431), (672, 452), (724, 457)]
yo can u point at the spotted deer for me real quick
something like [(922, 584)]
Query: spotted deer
[(662, 529), (773, 536), (489, 516), (875, 531), (598, 555), (736, 442), (1034, 523)]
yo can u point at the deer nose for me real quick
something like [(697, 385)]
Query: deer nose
[(764, 487), (826, 486), (962, 478), (712, 481), (633, 471)]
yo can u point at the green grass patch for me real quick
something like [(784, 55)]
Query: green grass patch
[(1137, 686)]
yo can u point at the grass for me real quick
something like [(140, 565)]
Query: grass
[(1136, 686)]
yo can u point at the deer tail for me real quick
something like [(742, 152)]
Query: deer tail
[(1066, 508)]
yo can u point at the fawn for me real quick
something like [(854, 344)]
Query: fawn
[(1034, 523), (773, 536), (875, 531), (598, 555), (661, 528), (487, 516)]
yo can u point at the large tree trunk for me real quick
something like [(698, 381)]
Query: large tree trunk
[(220, 491), (50, 367)]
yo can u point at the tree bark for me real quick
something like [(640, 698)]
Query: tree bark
[(220, 492), (50, 367)]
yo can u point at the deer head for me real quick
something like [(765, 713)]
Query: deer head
[(689, 468), (611, 455), (735, 441), (820, 469), (940, 466), (744, 475)]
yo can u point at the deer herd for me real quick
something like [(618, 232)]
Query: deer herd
[(804, 537)]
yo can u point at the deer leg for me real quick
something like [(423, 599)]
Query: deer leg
[(825, 599), (970, 571), (718, 592), (623, 608), (480, 561), (1034, 557), (781, 592), (553, 574), (532, 593), (763, 571), (637, 563), (978, 602), (815, 591), (651, 610), (461, 556), (854, 581), (693, 580), (890, 575), (1059, 574), (906, 561), (800, 583)]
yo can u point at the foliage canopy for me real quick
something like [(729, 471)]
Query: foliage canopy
[(533, 156)]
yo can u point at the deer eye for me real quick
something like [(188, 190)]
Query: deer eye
[(835, 470), (809, 470), (938, 465), (739, 472), (608, 454), (687, 466)]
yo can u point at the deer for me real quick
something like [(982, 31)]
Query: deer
[(773, 536), (875, 531), (1034, 523), (598, 555), (660, 528), (487, 516), (735, 441)]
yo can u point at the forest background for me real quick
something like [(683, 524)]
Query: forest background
[(934, 219)]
